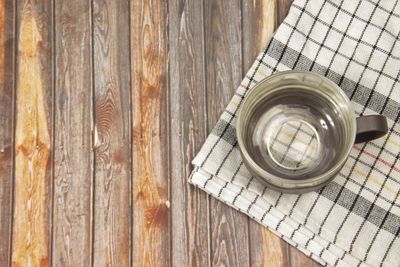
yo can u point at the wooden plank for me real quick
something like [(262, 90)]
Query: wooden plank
[(6, 128), (112, 133), (73, 155), (259, 18), (189, 206), (151, 206), (229, 228), (33, 140), (299, 259), (283, 7)]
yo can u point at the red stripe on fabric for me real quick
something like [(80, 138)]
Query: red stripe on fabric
[(379, 159)]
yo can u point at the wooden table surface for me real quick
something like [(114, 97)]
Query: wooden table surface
[(103, 104)]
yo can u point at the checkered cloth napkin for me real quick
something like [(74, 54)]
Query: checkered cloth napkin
[(355, 219)]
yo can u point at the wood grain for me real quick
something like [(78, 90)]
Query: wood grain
[(229, 228), (282, 9), (31, 225), (189, 206), (112, 133), (73, 155), (259, 19), (151, 205), (6, 128), (299, 259)]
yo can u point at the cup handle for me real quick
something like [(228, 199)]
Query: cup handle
[(370, 127)]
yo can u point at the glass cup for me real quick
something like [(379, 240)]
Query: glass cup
[(295, 130)]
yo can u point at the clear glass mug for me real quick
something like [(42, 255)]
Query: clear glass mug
[(295, 130)]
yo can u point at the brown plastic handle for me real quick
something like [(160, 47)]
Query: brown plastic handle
[(370, 127)]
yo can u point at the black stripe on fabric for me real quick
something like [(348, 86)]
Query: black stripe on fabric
[(252, 203), (226, 131), (373, 167), (377, 99), (295, 230), (206, 182), (397, 78), (358, 40), (315, 19), (392, 204), (369, 189), (374, 48), (222, 189), (236, 172), (242, 189), (369, 213), (224, 160), (371, 208), (361, 205), (343, 37), (383, 9), (235, 198), (290, 35), (384, 218), (344, 34), (397, 234), (327, 34), (305, 65), (282, 219)]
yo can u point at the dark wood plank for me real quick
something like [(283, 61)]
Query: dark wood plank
[(6, 128), (259, 19), (189, 206), (299, 259), (112, 133), (229, 228), (33, 138), (151, 206), (283, 7), (73, 157)]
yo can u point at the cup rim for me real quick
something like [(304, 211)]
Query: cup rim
[(295, 184)]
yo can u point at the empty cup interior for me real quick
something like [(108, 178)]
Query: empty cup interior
[(297, 131)]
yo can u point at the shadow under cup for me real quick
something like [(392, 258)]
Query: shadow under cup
[(295, 130)]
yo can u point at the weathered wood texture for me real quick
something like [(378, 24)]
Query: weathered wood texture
[(282, 8), (6, 126), (101, 122), (73, 156), (189, 206), (150, 188), (223, 55), (112, 134), (33, 136)]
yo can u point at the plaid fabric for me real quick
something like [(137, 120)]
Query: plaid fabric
[(355, 219)]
